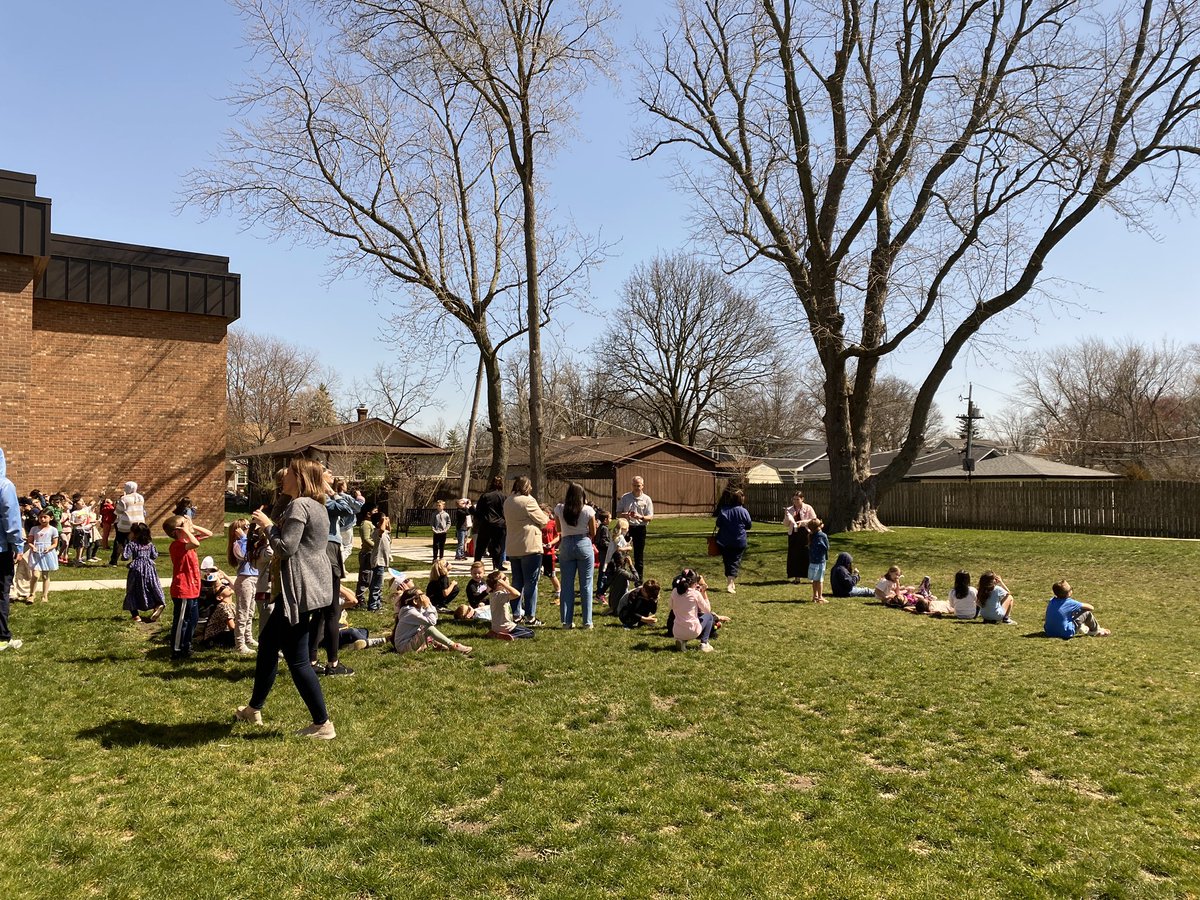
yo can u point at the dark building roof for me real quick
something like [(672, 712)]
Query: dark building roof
[(349, 437), (107, 273), (578, 451), (1019, 465)]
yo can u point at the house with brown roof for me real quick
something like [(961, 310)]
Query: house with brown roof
[(368, 452), (681, 480)]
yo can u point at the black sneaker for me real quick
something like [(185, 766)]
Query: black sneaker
[(339, 669), (317, 667)]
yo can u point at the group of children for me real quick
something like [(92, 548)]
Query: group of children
[(990, 600), (54, 527)]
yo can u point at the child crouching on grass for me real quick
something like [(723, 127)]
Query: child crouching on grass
[(500, 597), (691, 613), (415, 621)]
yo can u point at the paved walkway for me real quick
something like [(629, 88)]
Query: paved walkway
[(420, 549)]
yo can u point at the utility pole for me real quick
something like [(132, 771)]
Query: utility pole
[(973, 415)]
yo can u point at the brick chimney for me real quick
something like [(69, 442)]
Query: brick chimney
[(362, 413), (293, 426)]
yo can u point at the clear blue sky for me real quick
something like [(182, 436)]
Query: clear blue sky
[(110, 104)]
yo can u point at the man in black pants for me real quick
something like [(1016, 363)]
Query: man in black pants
[(638, 509), (490, 530)]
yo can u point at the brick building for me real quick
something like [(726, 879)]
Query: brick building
[(112, 365)]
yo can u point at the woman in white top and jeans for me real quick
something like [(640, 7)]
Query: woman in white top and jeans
[(576, 557)]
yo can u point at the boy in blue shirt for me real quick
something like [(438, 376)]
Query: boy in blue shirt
[(1066, 616)]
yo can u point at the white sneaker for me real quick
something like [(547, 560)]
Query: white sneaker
[(248, 714), (14, 644), (252, 643), (322, 732), (731, 588), (707, 648)]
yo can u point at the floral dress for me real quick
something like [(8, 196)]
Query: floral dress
[(143, 590)]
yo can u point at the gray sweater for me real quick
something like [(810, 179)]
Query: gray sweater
[(305, 573)]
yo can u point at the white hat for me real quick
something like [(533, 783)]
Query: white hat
[(207, 564)]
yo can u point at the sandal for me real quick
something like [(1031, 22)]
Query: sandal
[(461, 648)]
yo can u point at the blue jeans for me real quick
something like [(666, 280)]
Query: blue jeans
[(461, 535), (525, 573), (576, 558), (707, 622)]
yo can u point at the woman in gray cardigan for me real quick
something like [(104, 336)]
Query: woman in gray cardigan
[(298, 542)]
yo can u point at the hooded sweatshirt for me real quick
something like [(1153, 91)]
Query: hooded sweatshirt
[(130, 508), (841, 578), (12, 537)]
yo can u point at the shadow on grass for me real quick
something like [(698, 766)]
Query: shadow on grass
[(162, 735), (645, 647), (192, 670), (1039, 634), (789, 602)]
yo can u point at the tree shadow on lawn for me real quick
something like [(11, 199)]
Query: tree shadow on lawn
[(645, 647), (192, 670), (161, 735)]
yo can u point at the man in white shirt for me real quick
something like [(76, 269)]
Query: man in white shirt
[(637, 507)]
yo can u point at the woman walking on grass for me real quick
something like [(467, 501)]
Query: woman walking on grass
[(733, 521), (298, 541)]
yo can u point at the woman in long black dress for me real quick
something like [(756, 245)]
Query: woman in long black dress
[(797, 517)]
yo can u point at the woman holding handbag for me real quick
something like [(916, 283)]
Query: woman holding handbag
[(733, 521)]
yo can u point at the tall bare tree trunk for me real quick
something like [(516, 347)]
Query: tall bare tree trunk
[(491, 367), (537, 461), (468, 449)]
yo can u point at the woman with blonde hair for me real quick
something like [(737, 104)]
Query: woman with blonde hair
[(523, 521), (298, 540)]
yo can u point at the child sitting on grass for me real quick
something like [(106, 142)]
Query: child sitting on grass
[(441, 589), (1067, 617), (995, 600), (500, 600), (415, 621), (477, 589), (622, 577)]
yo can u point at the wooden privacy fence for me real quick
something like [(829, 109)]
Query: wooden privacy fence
[(1139, 508)]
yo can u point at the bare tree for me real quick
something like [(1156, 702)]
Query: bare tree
[(1014, 427), (892, 412), (1126, 406), (523, 61), (266, 377), (357, 126), (686, 339), (396, 393), (767, 418), (906, 169)]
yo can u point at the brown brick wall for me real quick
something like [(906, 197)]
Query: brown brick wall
[(16, 340), (118, 395)]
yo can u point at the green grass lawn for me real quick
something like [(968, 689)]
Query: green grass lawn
[(841, 750)]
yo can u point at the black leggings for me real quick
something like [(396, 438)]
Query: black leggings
[(279, 634)]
